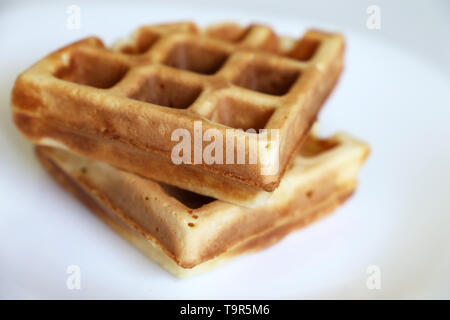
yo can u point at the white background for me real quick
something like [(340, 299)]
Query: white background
[(394, 93)]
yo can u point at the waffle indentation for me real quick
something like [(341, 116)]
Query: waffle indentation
[(238, 114), (187, 198), (92, 70), (312, 147), (167, 93), (267, 79), (196, 58)]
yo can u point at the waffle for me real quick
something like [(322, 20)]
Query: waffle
[(121, 105), (188, 233)]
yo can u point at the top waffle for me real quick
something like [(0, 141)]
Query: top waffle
[(122, 105)]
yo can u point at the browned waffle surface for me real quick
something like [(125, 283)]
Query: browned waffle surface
[(122, 105), (182, 230)]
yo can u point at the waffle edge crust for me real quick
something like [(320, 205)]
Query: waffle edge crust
[(187, 233), (121, 105)]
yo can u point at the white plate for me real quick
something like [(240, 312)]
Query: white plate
[(398, 220)]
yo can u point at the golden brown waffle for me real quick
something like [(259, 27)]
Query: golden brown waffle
[(188, 233), (122, 105)]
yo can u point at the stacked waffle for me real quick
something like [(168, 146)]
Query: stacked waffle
[(195, 145)]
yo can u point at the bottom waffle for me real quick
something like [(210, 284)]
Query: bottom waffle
[(187, 233)]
